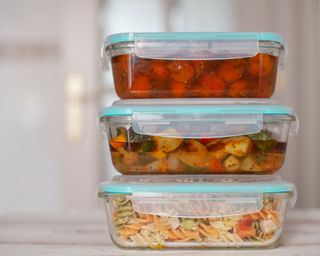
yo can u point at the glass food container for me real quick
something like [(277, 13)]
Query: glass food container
[(197, 136), (188, 65), (196, 211)]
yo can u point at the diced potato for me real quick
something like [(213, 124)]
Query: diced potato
[(197, 160), (232, 139), (268, 226), (196, 146), (219, 154), (173, 162), (158, 154), (128, 157), (250, 165), (240, 147), (160, 165), (231, 163), (166, 144)]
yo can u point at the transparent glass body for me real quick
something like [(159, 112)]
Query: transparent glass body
[(184, 71), (160, 221), (192, 145)]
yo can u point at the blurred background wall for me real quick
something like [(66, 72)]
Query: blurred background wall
[(51, 87)]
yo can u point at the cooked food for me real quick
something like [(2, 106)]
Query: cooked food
[(256, 153), (137, 229), (252, 77)]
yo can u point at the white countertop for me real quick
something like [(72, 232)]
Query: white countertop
[(84, 233)]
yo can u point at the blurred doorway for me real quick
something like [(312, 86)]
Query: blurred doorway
[(49, 76)]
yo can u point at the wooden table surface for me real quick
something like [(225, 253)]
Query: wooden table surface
[(84, 233)]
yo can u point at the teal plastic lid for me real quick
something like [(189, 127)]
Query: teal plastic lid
[(199, 184), (194, 45), (195, 106), (179, 36), (217, 118)]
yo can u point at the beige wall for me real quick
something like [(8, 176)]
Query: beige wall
[(43, 42)]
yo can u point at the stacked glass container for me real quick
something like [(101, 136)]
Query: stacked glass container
[(197, 140)]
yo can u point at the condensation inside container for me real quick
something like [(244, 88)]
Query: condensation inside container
[(197, 205), (203, 50), (197, 126)]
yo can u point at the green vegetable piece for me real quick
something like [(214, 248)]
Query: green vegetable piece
[(265, 145), (263, 135), (147, 146), (263, 141), (188, 224)]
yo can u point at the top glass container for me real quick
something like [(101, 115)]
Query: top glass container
[(191, 65)]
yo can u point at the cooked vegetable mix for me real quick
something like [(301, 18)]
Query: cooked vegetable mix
[(137, 154)]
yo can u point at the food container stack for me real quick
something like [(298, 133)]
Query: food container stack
[(197, 139)]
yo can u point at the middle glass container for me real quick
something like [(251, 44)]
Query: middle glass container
[(198, 136)]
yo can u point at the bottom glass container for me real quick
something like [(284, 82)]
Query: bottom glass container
[(196, 212)]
